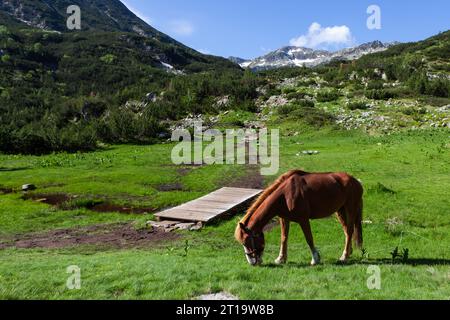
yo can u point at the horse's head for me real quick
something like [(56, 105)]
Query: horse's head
[(253, 243)]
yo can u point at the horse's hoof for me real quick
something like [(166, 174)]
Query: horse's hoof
[(315, 263), (279, 261), (343, 259), (316, 259)]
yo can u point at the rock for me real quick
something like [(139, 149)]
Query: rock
[(185, 226), (276, 101), (171, 229), (197, 227), (162, 224), (170, 226), (151, 97), (28, 187), (444, 108), (311, 152), (222, 102), (164, 135), (218, 297)]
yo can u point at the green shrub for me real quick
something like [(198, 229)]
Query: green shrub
[(380, 94), (358, 105), (287, 109), (375, 85), (439, 88), (315, 117), (328, 96), (296, 95), (413, 111), (108, 58), (305, 103), (307, 83), (288, 90)]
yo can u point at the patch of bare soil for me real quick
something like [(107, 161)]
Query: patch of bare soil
[(109, 207), (62, 201), (5, 190), (170, 187), (252, 179), (120, 236), (54, 199)]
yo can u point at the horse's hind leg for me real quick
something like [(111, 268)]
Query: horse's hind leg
[(285, 225), (306, 227), (348, 225)]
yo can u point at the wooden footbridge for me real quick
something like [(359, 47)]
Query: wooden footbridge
[(211, 206)]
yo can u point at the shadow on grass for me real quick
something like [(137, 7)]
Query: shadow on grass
[(409, 262), (2, 169), (379, 262)]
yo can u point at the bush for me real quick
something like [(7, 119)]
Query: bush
[(305, 103), (328, 96), (358, 105), (313, 116), (439, 88), (380, 94), (296, 95), (287, 109), (375, 85), (289, 90), (307, 83), (413, 111)]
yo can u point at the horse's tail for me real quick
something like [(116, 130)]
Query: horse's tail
[(358, 234), (269, 191)]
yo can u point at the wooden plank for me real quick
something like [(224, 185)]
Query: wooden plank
[(210, 206)]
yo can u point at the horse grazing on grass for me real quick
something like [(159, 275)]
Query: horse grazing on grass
[(299, 196)]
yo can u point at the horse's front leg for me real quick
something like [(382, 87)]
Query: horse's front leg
[(285, 225), (306, 227)]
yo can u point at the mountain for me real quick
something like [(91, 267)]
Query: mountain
[(99, 15), (114, 81), (237, 60), (298, 56), (105, 16)]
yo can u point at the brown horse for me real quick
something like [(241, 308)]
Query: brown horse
[(299, 197)]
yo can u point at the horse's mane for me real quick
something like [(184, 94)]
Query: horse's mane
[(264, 196)]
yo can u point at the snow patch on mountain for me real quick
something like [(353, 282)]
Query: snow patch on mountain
[(292, 56)]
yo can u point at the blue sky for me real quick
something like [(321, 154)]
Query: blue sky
[(251, 28)]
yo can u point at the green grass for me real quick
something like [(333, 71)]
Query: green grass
[(413, 164)]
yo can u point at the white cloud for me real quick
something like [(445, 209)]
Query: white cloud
[(137, 12), (320, 37), (181, 27)]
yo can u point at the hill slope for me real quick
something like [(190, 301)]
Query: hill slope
[(64, 90)]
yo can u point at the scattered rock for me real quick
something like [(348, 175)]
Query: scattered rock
[(162, 224), (217, 296), (309, 153), (197, 227), (276, 101), (185, 226), (222, 102), (28, 187), (170, 226)]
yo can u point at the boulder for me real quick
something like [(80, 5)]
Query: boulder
[(28, 187)]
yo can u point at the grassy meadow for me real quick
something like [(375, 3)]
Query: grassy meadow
[(406, 177)]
